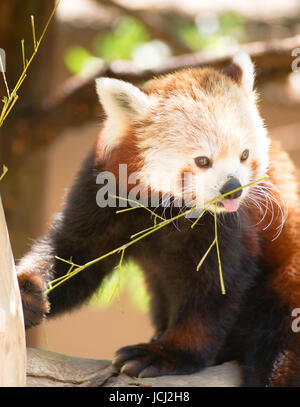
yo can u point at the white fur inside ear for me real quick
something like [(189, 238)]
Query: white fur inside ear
[(242, 59), (123, 103), (121, 99)]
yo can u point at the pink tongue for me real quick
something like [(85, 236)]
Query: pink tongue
[(231, 205)]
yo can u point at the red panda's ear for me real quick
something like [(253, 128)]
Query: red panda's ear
[(121, 100), (241, 70)]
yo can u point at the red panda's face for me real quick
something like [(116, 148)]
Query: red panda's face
[(195, 134)]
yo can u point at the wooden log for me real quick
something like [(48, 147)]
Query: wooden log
[(12, 332), (49, 369)]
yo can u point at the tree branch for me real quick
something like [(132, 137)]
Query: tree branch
[(49, 369), (76, 102), (272, 59)]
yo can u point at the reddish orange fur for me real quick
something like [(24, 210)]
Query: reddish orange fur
[(283, 252), (193, 321), (205, 78), (190, 335)]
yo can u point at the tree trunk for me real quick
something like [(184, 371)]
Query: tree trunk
[(12, 332), (23, 186)]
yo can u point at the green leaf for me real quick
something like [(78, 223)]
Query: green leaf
[(231, 23), (231, 28), (131, 280), (75, 59), (121, 42)]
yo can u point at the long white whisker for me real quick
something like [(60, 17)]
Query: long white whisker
[(266, 191)]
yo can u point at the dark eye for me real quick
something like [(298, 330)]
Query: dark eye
[(245, 155), (203, 162)]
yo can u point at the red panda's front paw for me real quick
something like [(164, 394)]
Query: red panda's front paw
[(153, 359), (35, 304)]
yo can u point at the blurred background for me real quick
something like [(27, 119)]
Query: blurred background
[(57, 118)]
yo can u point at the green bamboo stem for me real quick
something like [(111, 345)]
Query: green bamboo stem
[(13, 97), (155, 228)]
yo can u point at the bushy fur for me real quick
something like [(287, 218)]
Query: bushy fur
[(160, 130)]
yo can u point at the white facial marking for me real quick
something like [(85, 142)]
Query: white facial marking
[(219, 127), (218, 122)]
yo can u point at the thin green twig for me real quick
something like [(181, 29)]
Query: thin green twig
[(4, 171), (151, 230), (118, 285), (33, 32), (138, 205), (12, 97), (23, 53), (205, 254), (218, 253)]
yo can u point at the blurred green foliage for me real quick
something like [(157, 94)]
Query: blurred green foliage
[(126, 35), (120, 43), (208, 32), (131, 280), (232, 24), (76, 58), (211, 32)]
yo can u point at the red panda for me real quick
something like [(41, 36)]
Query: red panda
[(204, 122)]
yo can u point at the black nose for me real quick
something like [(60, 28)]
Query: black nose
[(230, 185)]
